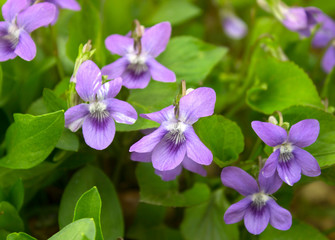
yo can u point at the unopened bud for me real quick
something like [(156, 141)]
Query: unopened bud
[(273, 120), (189, 90), (285, 125)]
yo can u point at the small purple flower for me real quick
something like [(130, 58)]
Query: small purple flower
[(325, 33), (97, 115), (288, 158), (137, 67), (328, 60), (60, 4), (174, 144), (299, 19), (234, 27), (258, 208), (20, 20)]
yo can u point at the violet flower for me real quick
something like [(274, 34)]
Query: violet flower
[(137, 66), (288, 158), (100, 109), (258, 208), (60, 4), (20, 20), (234, 27), (325, 33), (174, 144), (328, 60)]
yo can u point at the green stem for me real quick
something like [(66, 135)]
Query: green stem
[(55, 51)]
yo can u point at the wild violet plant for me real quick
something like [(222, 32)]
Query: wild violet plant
[(108, 181)]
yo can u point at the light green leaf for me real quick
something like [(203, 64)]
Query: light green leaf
[(111, 214), (9, 218), (205, 221), (175, 11), (16, 194), (153, 98), (280, 85), (190, 58), (222, 136), (324, 147), (89, 206), (20, 236), (298, 231), (153, 190), (31, 139), (77, 230)]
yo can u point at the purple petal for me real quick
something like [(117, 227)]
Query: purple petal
[(236, 211), (56, 17), (75, 116), (88, 80), (289, 171), (280, 218), (169, 175), (234, 27), (118, 44), (304, 133), (165, 114), (121, 111), (116, 68), (295, 19), (256, 220), (325, 33), (239, 180), (141, 157), (196, 150), (271, 134), (271, 184), (6, 50), (3, 28), (98, 133), (328, 60), (155, 39), (68, 4), (271, 164), (110, 89), (134, 80), (192, 166), (12, 7), (309, 166), (148, 143), (26, 48), (159, 72), (198, 103), (36, 16), (167, 155)]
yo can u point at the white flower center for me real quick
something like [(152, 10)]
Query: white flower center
[(98, 110), (13, 34), (259, 199), (286, 150), (137, 62), (176, 132)]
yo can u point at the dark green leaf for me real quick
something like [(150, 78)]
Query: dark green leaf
[(111, 214), (9, 218), (153, 190), (52, 102), (16, 194), (68, 141)]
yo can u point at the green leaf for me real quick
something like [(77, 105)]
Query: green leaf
[(52, 102), (153, 98), (298, 231), (111, 214), (20, 236), (225, 146), (329, 88), (9, 218), (190, 58), (16, 194), (68, 141), (324, 147), (153, 190), (175, 11), (31, 139), (89, 206), (205, 221), (77, 230), (1, 81), (280, 85)]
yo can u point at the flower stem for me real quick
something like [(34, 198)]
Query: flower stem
[(55, 51)]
